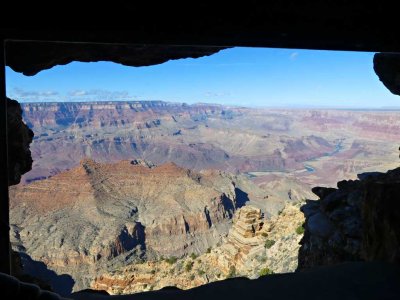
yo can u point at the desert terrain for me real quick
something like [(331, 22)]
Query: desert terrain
[(132, 196)]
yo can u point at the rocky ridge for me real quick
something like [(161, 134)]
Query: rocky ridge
[(101, 216)]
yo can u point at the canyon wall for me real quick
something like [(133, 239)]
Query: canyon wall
[(203, 136), (110, 215)]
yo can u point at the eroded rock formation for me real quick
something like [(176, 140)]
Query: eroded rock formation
[(244, 242), (357, 221)]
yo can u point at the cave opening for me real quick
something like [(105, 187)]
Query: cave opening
[(334, 144)]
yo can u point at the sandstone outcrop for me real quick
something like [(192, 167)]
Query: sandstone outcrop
[(244, 241), (255, 242), (357, 221)]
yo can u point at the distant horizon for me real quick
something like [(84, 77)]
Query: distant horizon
[(388, 108), (246, 77)]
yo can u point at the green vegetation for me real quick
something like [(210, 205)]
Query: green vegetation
[(232, 272), (265, 271), (171, 260), (188, 266), (300, 229), (264, 234), (269, 243), (200, 272), (191, 277), (208, 250), (153, 271), (193, 256)]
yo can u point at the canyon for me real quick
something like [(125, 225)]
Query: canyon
[(126, 211), (134, 196), (269, 144)]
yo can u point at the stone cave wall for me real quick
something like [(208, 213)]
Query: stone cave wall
[(358, 221)]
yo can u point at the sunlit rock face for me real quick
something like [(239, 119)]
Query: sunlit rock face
[(108, 215), (253, 245)]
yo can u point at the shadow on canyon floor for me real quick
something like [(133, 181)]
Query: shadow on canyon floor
[(62, 284), (241, 198)]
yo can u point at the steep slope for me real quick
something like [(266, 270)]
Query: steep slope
[(97, 213)]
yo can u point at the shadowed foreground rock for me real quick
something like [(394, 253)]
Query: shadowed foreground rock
[(19, 138), (44, 55), (358, 221), (355, 280), (387, 67)]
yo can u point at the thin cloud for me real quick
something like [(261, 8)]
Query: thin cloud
[(79, 93), (293, 55), (217, 94), (27, 95), (98, 95), (24, 93)]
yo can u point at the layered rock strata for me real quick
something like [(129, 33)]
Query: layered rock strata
[(244, 240)]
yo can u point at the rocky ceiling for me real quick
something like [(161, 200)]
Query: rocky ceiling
[(137, 33), (30, 58), (387, 67)]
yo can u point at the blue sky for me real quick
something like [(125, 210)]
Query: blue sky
[(238, 76)]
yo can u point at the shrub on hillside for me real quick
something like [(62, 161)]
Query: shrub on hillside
[(265, 271), (269, 243)]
